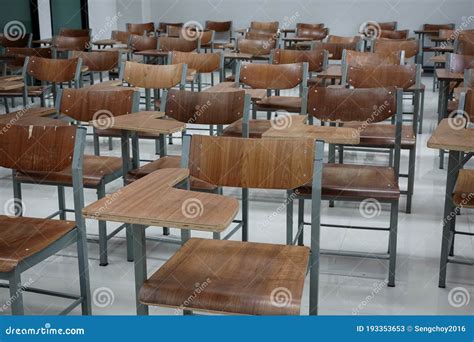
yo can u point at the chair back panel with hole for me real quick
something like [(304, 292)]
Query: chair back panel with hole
[(87, 104), (344, 105), (37, 148), (252, 163)]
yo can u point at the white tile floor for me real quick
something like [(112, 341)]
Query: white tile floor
[(348, 285)]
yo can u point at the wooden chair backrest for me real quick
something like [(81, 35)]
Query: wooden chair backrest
[(252, 163), (403, 34), (177, 44), (388, 46), (153, 76), (335, 49), (71, 43), (22, 53), (314, 58), (87, 104), (219, 26), (269, 26), (446, 34), (140, 29), (121, 36), (205, 108), (459, 63), (206, 36), (98, 61), (314, 34), (388, 26), (344, 105), (309, 26), (177, 31), (343, 40), (256, 47), (260, 35), (469, 78), (201, 62), (37, 148), (465, 43), (437, 27), (383, 75), (52, 70), (357, 57), (142, 43), (15, 40), (271, 76), (67, 32), (163, 26)]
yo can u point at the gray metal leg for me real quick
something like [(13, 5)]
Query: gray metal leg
[(443, 108), (17, 197), (16, 293), (139, 254), (61, 203), (420, 117), (452, 227), (83, 262), (341, 154), (96, 144), (301, 221), (411, 178), (245, 214), (129, 237), (102, 231), (111, 144), (393, 243), (216, 236), (254, 112), (332, 160), (453, 170), (185, 235), (289, 217)]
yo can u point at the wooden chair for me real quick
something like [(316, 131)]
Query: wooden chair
[(198, 64), (316, 34), (141, 43), (437, 27), (84, 105), (390, 46), (351, 182), (239, 163), (402, 34), (141, 29), (317, 60), (21, 53), (464, 44), (68, 32), (15, 42), (168, 44), (388, 26), (207, 39), (335, 50), (99, 62), (65, 44), (343, 40), (405, 77), (121, 36), (274, 77), (198, 108), (259, 49), (51, 72), (268, 26), (222, 29), (459, 64), (26, 241), (309, 26), (374, 58)]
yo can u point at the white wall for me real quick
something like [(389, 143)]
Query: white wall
[(44, 12), (104, 17), (343, 17)]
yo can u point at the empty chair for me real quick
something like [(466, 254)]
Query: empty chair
[(374, 58), (7, 41), (223, 33), (141, 29), (98, 62), (437, 27), (141, 43), (25, 241), (121, 36), (270, 26), (163, 26), (178, 44), (336, 50), (21, 53), (259, 49), (389, 46), (353, 182), (388, 26), (232, 265), (64, 44), (402, 34), (309, 26), (312, 33)]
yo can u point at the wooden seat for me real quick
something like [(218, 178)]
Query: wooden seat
[(256, 128), (236, 277), (16, 233), (463, 195), (349, 181), (95, 170), (35, 91), (168, 162)]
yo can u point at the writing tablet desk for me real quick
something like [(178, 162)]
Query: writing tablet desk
[(444, 77), (152, 201), (11, 83), (22, 114), (103, 43), (458, 141), (288, 41)]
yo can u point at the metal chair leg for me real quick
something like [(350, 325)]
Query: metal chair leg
[(17, 197), (61, 202), (245, 214), (289, 217), (102, 232), (393, 243), (129, 238), (111, 144), (301, 221), (16, 293), (420, 116)]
